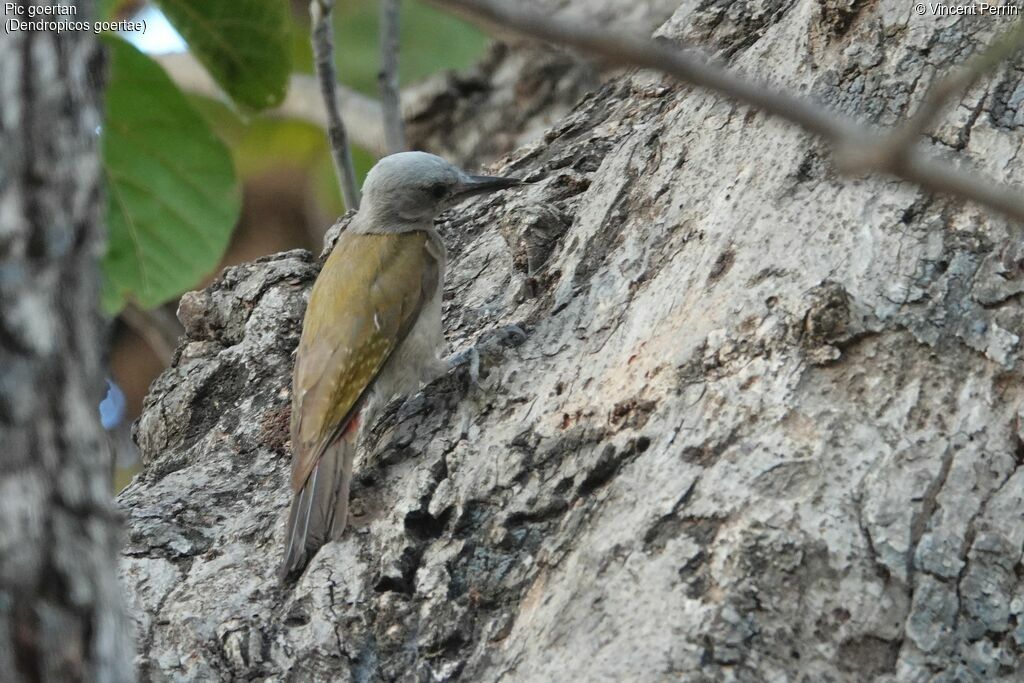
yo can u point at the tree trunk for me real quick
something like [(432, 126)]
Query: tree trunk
[(61, 610), (765, 425)]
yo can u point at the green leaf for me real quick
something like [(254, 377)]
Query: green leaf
[(172, 196), (244, 44)]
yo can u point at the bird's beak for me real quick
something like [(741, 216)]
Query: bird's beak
[(481, 184)]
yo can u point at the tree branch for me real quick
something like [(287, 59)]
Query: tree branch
[(394, 133), (857, 148), (952, 85), (320, 12)]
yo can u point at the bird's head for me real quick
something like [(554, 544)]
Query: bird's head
[(405, 190)]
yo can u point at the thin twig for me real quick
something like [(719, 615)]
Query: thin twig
[(394, 133), (323, 56), (158, 328), (857, 148), (901, 140), (304, 101)]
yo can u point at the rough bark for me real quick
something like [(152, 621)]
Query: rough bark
[(509, 99), (765, 425), (61, 609)]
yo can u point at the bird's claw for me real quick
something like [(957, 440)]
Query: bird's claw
[(469, 357), (506, 335), (491, 346)]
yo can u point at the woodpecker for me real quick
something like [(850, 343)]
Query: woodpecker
[(372, 330)]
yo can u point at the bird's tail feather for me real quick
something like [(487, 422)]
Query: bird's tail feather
[(319, 511)]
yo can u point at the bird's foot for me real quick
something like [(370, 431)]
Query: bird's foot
[(490, 348)]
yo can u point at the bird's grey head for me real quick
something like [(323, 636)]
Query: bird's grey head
[(406, 191)]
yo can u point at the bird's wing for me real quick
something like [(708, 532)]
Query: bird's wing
[(366, 299)]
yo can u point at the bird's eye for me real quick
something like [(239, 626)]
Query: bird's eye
[(438, 191)]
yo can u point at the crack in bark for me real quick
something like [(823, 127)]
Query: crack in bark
[(921, 518), (969, 537), (881, 571)]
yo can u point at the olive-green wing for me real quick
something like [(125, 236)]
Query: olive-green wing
[(362, 306)]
